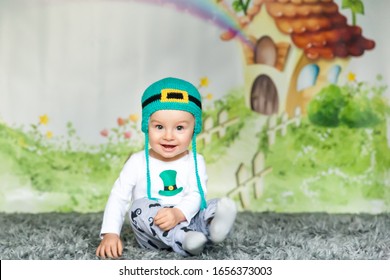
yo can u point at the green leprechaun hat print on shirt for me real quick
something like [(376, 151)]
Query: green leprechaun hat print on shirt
[(169, 179)]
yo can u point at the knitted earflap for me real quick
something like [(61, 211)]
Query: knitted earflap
[(203, 203)]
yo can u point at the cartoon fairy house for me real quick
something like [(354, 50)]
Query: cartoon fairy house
[(294, 48)]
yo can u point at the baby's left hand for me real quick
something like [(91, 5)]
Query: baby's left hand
[(168, 218)]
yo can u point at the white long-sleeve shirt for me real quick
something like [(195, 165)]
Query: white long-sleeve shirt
[(132, 185)]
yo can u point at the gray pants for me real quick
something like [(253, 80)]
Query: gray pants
[(148, 235)]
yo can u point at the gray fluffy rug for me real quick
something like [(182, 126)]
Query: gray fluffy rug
[(266, 236)]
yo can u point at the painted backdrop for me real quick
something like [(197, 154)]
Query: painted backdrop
[(295, 95)]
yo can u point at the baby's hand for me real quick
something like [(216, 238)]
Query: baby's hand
[(110, 246), (168, 218)]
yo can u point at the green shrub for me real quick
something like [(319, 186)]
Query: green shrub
[(359, 113), (354, 105), (324, 109)]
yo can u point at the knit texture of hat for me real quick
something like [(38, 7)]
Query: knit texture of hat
[(172, 94)]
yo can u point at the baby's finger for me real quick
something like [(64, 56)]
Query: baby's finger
[(108, 252), (99, 252), (102, 252), (120, 248)]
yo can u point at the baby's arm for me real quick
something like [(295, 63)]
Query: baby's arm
[(110, 246), (168, 218)]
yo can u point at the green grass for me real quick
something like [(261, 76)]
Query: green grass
[(327, 169), (84, 176), (234, 104)]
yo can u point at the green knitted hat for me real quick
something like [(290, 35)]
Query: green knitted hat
[(172, 94)]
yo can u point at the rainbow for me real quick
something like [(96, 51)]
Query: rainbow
[(218, 14)]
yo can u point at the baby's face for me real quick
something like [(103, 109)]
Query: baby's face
[(170, 134)]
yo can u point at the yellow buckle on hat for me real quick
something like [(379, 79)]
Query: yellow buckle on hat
[(174, 95)]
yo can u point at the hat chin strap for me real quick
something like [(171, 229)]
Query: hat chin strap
[(203, 203), (148, 186)]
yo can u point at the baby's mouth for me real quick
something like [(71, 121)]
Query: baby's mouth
[(168, 147)]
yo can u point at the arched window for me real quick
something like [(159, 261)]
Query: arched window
[(265, 51), (334, 73), (308, 76)]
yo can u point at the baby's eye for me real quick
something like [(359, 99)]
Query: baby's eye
[(159, 126), (180, 127)]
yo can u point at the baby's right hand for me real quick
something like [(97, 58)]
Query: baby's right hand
[(110, 246)]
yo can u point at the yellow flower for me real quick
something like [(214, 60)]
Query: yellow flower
[(209, 96), (22, 143), (44, 119), (204, 82), (134, 117), (49, 134), (351, 77)]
